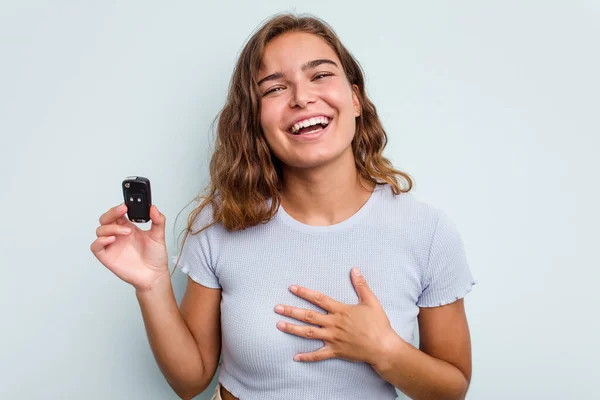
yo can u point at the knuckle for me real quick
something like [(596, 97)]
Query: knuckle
[(345, 312), (310, 316), (335, 337), (310, 332), (340, 323), (319, 298)]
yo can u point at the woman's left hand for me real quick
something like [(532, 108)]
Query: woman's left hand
[(360, 332)]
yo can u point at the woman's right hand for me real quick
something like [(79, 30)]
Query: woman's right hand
[(136, 256)]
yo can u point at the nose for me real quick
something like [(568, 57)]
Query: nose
[(302, 96)]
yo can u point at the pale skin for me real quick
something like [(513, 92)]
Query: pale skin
[(441, 369), (320, 187)]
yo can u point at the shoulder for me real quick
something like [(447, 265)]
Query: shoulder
[(420, 225), (201, 217), (203, 227), (407, 211)]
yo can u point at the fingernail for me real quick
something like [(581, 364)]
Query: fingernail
[(281, 325), (293, 288), (279, 309), (355, 271), (121, 207)]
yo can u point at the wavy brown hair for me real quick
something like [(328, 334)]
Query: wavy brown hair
[(244, 174)]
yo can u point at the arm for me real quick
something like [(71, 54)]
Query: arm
[(185, 342), (441, 367)]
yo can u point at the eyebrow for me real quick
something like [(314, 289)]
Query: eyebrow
[(308, 65)]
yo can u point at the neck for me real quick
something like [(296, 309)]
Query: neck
[(326, 195)]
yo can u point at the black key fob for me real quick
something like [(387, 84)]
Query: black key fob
[(137, 197)]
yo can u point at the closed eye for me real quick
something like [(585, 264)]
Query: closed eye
[(319, 76), (272, 90), (322, 75)]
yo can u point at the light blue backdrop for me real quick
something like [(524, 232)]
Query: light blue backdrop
[(492, 106)]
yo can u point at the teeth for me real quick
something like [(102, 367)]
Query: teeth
[(310, 122)]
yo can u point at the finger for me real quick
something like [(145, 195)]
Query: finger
[(317, 298), (365, 295), (112, 230), (157, 229), (309, 332), (100, 244), (113, 214), (323, 353), (309, 316)]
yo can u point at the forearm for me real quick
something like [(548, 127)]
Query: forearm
[(175, 350), (418, 375)]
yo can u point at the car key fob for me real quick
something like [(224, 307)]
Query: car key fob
[(137, 197)]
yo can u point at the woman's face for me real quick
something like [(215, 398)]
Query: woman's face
[(308, 107)]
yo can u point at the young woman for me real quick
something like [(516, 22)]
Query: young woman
[(309, 262)]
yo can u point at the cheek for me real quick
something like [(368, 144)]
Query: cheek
[(270, 126), (266, 121), (269, 116), (341, 99), (343, 102)]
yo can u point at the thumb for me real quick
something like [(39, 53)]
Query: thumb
[(157, 230), (365, 296)]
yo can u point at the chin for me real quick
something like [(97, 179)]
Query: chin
[(317, 158)]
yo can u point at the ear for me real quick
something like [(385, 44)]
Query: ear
[(355, 101)]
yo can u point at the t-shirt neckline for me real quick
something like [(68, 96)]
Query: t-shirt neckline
[(345, 224)]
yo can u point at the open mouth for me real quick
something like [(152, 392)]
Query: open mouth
[(310, 125)]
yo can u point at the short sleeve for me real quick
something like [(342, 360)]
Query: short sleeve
[(199, 253), (447, 276)]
